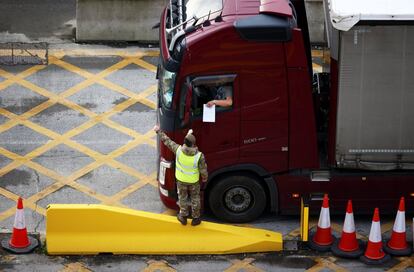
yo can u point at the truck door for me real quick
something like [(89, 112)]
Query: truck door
[(217, 140), (264, 118)]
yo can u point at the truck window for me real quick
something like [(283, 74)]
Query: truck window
[(166, 86), (202, 94)]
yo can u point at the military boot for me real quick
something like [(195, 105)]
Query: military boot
[(196, 221), (182, 219)]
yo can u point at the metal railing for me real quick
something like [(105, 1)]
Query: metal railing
[(17, 53)]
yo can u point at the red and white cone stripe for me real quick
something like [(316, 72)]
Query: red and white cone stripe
[(19, 237), (348, 240), (399, 224), (398, 237), (19, 222), (324, 218), (349, 224), (323, 236), (374, 248), (375, 232)]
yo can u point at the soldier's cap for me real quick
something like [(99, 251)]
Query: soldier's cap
[(190, 137)]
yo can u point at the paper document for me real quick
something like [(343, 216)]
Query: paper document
[(209, 114)]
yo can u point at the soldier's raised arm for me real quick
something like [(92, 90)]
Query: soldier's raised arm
[(173, 146)]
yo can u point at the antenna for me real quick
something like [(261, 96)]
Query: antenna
[(219, 18), (207, 22)]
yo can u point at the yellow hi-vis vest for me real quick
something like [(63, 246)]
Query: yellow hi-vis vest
[(186, 167)]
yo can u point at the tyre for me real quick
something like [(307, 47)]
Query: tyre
[(237, 199)]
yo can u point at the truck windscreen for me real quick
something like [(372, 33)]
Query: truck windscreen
[(200, 8), (166, 86)]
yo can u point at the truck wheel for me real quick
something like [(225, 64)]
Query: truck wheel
[(237, 199)]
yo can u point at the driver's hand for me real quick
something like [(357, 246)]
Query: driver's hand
[(210, 103), (156, 128)]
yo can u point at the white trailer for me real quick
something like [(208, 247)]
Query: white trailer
[(373, 44)]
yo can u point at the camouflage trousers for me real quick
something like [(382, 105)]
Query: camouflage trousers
[(189, 195)]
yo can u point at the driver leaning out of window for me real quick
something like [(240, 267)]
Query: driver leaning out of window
[(223, 97)]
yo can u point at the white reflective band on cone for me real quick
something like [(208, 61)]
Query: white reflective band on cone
[(399, 224), (375, 232), (324, 220), (19, 220), (349, 225)]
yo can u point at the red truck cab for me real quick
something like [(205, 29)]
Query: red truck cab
[(270, 147)]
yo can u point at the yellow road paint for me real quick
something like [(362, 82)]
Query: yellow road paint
[(58, 53), (56, 139), (405, 263), (244, 265), (145, 65), (326, 263), (93, 229), (132, 188), (158, 266), (75, 267)]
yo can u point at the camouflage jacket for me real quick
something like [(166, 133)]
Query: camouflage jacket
[(189, 151)]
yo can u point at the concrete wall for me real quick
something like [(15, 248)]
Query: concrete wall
[(118, 20), (132, 20), (316, 21)]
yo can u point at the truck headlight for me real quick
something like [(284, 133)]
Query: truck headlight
[(163, 168)]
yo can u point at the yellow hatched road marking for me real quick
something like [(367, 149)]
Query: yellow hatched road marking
[(57, 139), (70, 180), (243, 265), (323, 263), (75, 267), (59, 53), (134, 187), (405, 262), (158, 266), (145, 65)]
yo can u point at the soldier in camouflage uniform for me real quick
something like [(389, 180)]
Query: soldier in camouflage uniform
[(190, 165)]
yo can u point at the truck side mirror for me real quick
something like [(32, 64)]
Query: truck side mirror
[(187, 108)]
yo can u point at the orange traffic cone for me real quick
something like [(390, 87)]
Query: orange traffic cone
[(322, 239), (20, 242), (398, 245), (348, 246), (374, 253)]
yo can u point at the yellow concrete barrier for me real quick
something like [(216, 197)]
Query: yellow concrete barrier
[(94, 229)]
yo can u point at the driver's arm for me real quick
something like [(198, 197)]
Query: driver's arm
[(228, 102)]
